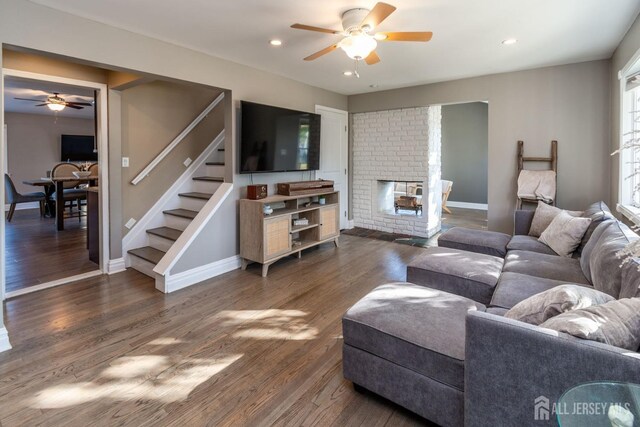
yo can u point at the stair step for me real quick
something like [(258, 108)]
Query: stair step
[(215, 163), (166, 232), (183, 213), (196, 195), (148, 253), (208, 178)]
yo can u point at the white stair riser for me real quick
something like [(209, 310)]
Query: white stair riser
[(205, 186), (160, 243), (176, 222), (144, 267), (215, 170), (192, 204)]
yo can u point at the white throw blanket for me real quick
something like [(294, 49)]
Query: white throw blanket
[(540, 185)]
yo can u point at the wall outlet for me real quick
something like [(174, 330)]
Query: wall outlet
[(187, 162), (125, 162), (130, 223)]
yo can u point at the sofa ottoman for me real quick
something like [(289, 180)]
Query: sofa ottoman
[(478, 241), (407, 343), (468, 274)]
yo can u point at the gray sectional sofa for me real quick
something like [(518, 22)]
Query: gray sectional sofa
[(439, 345)]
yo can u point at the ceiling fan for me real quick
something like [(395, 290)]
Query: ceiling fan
[(56, 103), (360, 41)]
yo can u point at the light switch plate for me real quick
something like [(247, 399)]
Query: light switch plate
[(130, 223), (187, 162), (125, 162)]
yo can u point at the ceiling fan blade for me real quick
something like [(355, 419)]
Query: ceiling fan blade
[(42, 105), (373, 58), (322, 52), (86, 104), (379, 13), (33, 100), (317, 29), (75, 107), (415, 36)]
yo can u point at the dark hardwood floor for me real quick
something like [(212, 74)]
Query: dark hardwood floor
[(235, 350), (37, 253)]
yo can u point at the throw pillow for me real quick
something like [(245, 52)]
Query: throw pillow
[(564, 234), (543, 216), (615, 323), (540, 307)]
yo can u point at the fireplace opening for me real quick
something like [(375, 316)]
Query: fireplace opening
[(400, 197)]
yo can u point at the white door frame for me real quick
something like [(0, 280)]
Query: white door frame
[(320, 108), (103, 161)]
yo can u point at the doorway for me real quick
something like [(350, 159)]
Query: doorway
[(334, 157), (49, 246), (465, 153)]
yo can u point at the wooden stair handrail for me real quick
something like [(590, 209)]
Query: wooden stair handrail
[(177, 140)]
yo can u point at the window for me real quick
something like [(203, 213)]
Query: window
[(629, 185)]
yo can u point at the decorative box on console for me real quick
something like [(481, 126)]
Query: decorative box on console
[(300, 188), (257, 191)]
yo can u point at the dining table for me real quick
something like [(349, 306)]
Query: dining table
[(56, 185)]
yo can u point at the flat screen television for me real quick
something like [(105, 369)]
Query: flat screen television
[(78, 148), (275, 139)]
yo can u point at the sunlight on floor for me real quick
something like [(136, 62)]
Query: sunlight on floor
[(159, 378), (268, 324)]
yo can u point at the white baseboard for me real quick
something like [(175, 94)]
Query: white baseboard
[(116, 266), (4, 340), (187, 278), (24, 206), (465, 205)]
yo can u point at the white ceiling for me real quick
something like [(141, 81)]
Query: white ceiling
[(35, 89), (467, 35)]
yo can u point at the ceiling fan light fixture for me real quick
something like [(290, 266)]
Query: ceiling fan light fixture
[(358, 46), (55, 107), (380, 36)]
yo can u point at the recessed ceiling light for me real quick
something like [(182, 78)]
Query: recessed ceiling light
[(275, 42), (348, 73), (509, 41)]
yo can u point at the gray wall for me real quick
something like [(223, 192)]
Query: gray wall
[(465, 150), (34, 143), (626, 50), (568, 103)]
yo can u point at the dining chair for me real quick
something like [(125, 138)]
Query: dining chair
[(446, 190), (13, 197), (71, 192), (94, 169)]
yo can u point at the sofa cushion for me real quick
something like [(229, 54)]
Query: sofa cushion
[(585, 257), (543, 216), (528, 243), (463, 273), (604, 263), (598, 212), (412, 326), (498, 311), (564, 233), (515, 287), (630, 287), (546, 266), (540, 307), (616, 323), (479, 241)]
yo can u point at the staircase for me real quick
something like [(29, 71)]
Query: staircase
[(182, 208)]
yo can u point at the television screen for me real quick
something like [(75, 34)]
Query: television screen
[(78, 148), (278, 140)]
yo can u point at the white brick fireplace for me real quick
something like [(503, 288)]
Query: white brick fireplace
[(392, 149)]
